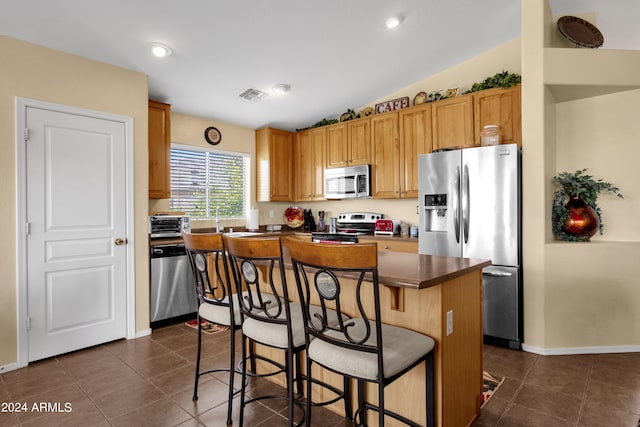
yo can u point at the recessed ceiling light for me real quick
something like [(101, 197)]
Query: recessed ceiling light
[(281, 88), (160, 50), (393, 21)]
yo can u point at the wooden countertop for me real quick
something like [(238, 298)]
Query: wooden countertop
[(415, 271), (397, 269)]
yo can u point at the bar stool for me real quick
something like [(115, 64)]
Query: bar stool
[(362, 347), (215, 304), (258, 269)]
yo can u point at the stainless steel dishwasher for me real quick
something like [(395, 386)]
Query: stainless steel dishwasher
[(172, 291)]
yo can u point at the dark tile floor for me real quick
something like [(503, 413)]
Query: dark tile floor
[(148, 382)]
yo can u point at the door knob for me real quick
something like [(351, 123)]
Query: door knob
[(119, 241)]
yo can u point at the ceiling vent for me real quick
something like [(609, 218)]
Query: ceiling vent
[(253, 94)]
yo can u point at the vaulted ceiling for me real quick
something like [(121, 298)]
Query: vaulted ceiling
[(335, 54)]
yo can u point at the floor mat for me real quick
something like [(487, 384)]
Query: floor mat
[(490, 384), (207, 327)]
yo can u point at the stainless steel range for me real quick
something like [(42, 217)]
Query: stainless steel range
[(349, 226), (357, 222)]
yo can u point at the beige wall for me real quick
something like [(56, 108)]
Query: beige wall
[(463, 75), (579, 297), (32, 71), (189, 130)]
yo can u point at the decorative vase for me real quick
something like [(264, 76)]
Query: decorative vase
[(582, 219)]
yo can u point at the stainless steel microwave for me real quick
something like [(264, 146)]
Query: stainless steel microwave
[(349, 182)]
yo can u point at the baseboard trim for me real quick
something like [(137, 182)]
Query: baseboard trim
[(581, 350), (8, 368), (142, 333)]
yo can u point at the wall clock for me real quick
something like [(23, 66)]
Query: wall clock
[(212, 135)]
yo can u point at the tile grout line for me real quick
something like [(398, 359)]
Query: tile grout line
[(586, 390)]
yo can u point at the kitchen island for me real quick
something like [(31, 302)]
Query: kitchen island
[(420, 292)]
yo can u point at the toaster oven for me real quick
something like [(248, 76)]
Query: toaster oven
[(162, 226)]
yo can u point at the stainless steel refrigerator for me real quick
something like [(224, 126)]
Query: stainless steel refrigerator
[(470, 207)]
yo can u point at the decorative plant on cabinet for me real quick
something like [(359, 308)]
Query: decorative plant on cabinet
[(575, 213)]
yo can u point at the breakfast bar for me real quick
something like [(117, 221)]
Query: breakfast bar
[(440, 297)]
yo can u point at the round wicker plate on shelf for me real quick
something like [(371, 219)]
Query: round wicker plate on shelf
[(580, 32)]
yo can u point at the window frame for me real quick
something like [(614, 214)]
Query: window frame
[(246, 205)]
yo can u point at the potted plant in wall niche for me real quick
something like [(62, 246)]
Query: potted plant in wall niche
[(575, 213)]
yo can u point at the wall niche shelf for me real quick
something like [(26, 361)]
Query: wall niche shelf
[(572, 74)]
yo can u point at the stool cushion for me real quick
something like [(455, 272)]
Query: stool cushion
[(401, 348), (275, 334), (219, 313)]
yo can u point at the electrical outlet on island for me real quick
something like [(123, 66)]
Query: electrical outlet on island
[(449, 322)]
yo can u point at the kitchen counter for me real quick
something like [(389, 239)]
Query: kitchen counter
[(422, 271)]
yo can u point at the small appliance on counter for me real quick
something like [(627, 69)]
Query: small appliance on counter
[(164, 226), (387, 227)]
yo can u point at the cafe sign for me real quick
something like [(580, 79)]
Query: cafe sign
[(394, 104)]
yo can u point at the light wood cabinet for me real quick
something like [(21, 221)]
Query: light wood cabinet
[(349, 143), (337, 146), (274, 165), (385, 160), (310, 160), (159, 150), (452, 121), (393, 244), (415, 139), (398, 138), (359, 139), (502, 107)]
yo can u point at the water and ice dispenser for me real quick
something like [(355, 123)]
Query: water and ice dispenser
[(435, 212)]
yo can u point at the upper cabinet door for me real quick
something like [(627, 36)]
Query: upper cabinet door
[(502, 107), (349, 143), (274, 154), (452, 121), (385, 168), (159, 150), (359, 137), (337, 146), (415, 139), (310, 148)]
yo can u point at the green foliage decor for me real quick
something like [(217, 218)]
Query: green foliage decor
[(504, 79), (577, 184)]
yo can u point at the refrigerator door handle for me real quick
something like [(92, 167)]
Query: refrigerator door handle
[(465, 203), (456, 204)]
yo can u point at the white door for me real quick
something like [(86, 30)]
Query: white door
[(76, 212)]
